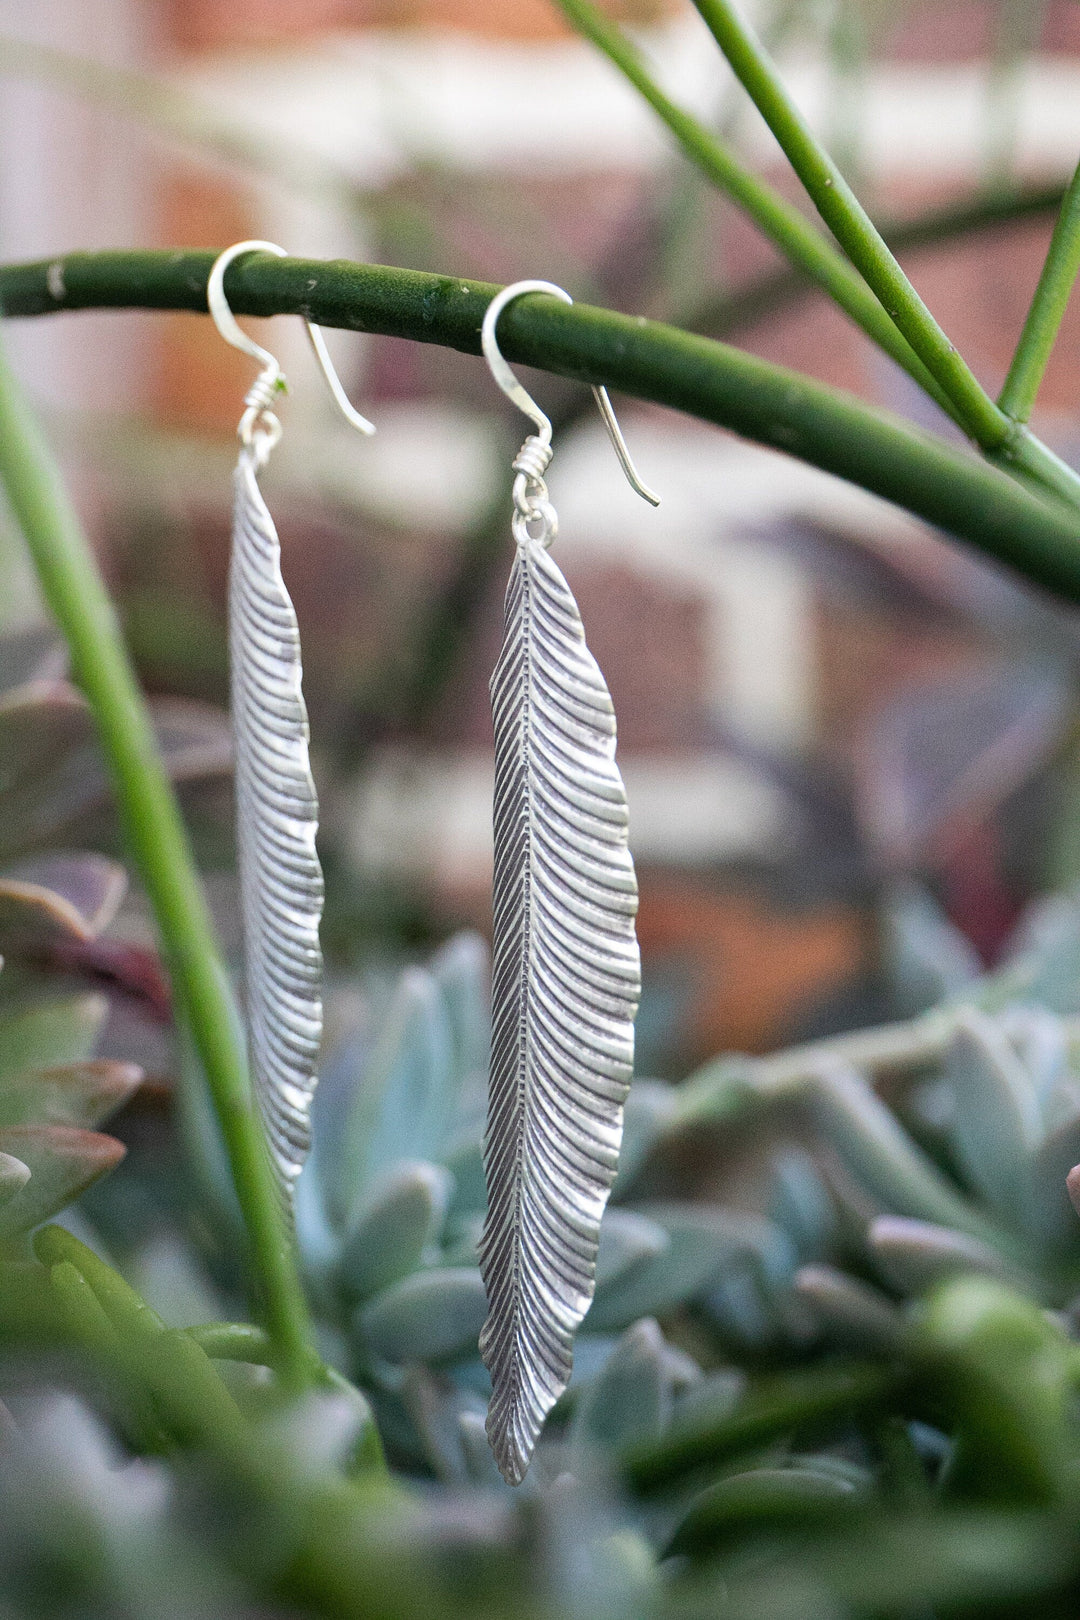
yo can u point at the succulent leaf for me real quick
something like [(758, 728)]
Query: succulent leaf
[(59, 897), (764, 1500), (928, 958), (63, 1162), (81, 1094), (801, 1204), (997, 1124), (849, 1311), (460, 969), (914, 1255), (631, 1399), (877, 1150), (51, 1034), (403, 1104), (701, 1241), (627, 1239), (393, 1234), (428, 1316), (649, 1107)]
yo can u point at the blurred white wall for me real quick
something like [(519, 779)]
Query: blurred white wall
[(73, 176)]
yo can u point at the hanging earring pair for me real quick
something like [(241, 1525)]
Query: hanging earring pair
[(277, 812), (565, 967), (566, 974)]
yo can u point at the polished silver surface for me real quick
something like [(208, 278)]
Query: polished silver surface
[(277, 816), (525, 402), (565, 988), (566, 975)]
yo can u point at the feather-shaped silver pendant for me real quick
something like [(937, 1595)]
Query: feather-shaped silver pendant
[(277, 816), (566, 981)]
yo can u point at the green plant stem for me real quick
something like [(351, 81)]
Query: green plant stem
[(773, 406), (852, 225), (719, 314), (796, 237), (75, 592), (1047, 309)]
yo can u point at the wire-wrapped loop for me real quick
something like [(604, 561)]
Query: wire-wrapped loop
[(259, 428), (534, 458), (535, 524), (534, 518)]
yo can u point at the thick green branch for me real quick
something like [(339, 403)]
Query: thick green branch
[(1047, 309), (851, 225), (766, 403), (75, 592)]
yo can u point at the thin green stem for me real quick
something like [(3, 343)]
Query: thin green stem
[(1047, 309), (852, 225), (74, 590), (769, 404), (789, 230), (719, 314)]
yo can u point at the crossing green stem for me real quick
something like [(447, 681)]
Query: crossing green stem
[(852, 225), (1047, 309), (797, 238)]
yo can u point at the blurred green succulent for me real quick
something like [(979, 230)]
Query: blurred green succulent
[(945, 1152), (390, 1206)]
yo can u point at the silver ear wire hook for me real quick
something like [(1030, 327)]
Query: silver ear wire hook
[(525, 402), (258, 425)]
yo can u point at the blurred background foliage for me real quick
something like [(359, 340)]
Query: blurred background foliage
[(831, 1367)]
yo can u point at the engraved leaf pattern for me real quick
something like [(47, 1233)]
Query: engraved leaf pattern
[(277, 814), (565, 987)]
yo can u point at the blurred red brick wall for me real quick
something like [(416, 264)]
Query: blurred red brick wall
[(207, 25)]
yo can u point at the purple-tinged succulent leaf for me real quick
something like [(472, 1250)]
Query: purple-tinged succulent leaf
[(847, 1310), (79, 1094), (59, 897), (45, 730), (195, 738), (63, 1161), (53, 781), (915, 1255)]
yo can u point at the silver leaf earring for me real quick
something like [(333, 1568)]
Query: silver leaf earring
[(566, 974), (277, 813)]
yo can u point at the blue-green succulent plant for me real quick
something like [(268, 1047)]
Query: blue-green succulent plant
[(912, 1154), (390, 1206)]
